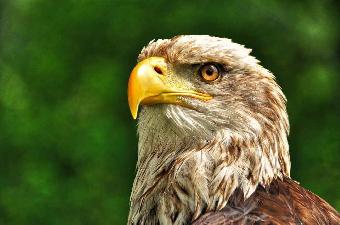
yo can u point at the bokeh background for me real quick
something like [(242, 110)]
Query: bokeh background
[(67, 140)]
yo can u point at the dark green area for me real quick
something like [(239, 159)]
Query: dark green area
[(67, 140)]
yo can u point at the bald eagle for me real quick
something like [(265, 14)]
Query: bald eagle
[(213, 144)]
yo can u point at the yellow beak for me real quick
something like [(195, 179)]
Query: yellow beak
[(150, 83)]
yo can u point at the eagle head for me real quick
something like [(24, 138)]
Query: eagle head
[(211, 120)]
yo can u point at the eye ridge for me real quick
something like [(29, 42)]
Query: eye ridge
[(209, 72)]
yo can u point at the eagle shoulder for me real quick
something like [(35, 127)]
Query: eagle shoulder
[(285, 202)]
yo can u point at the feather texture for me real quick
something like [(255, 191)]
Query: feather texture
[(285, 202)]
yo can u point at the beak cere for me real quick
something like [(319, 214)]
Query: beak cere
[(145, 82), (149, 83)]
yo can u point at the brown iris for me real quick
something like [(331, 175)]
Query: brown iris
[(209, 72)]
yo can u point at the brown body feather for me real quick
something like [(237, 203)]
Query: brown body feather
[(285, 202)]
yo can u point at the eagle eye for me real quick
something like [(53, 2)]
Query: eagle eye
[(209, 72)]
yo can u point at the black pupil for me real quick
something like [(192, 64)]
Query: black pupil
[(210, 71)]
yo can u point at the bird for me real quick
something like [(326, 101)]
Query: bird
[(212, 139)]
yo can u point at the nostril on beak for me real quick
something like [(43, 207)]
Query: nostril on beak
[(158, 70)]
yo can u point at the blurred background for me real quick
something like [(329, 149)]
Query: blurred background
[(68, 144)]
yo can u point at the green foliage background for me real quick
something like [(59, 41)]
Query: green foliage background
[(67, 140)]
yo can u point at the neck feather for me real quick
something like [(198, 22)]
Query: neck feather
[(178, 178)]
